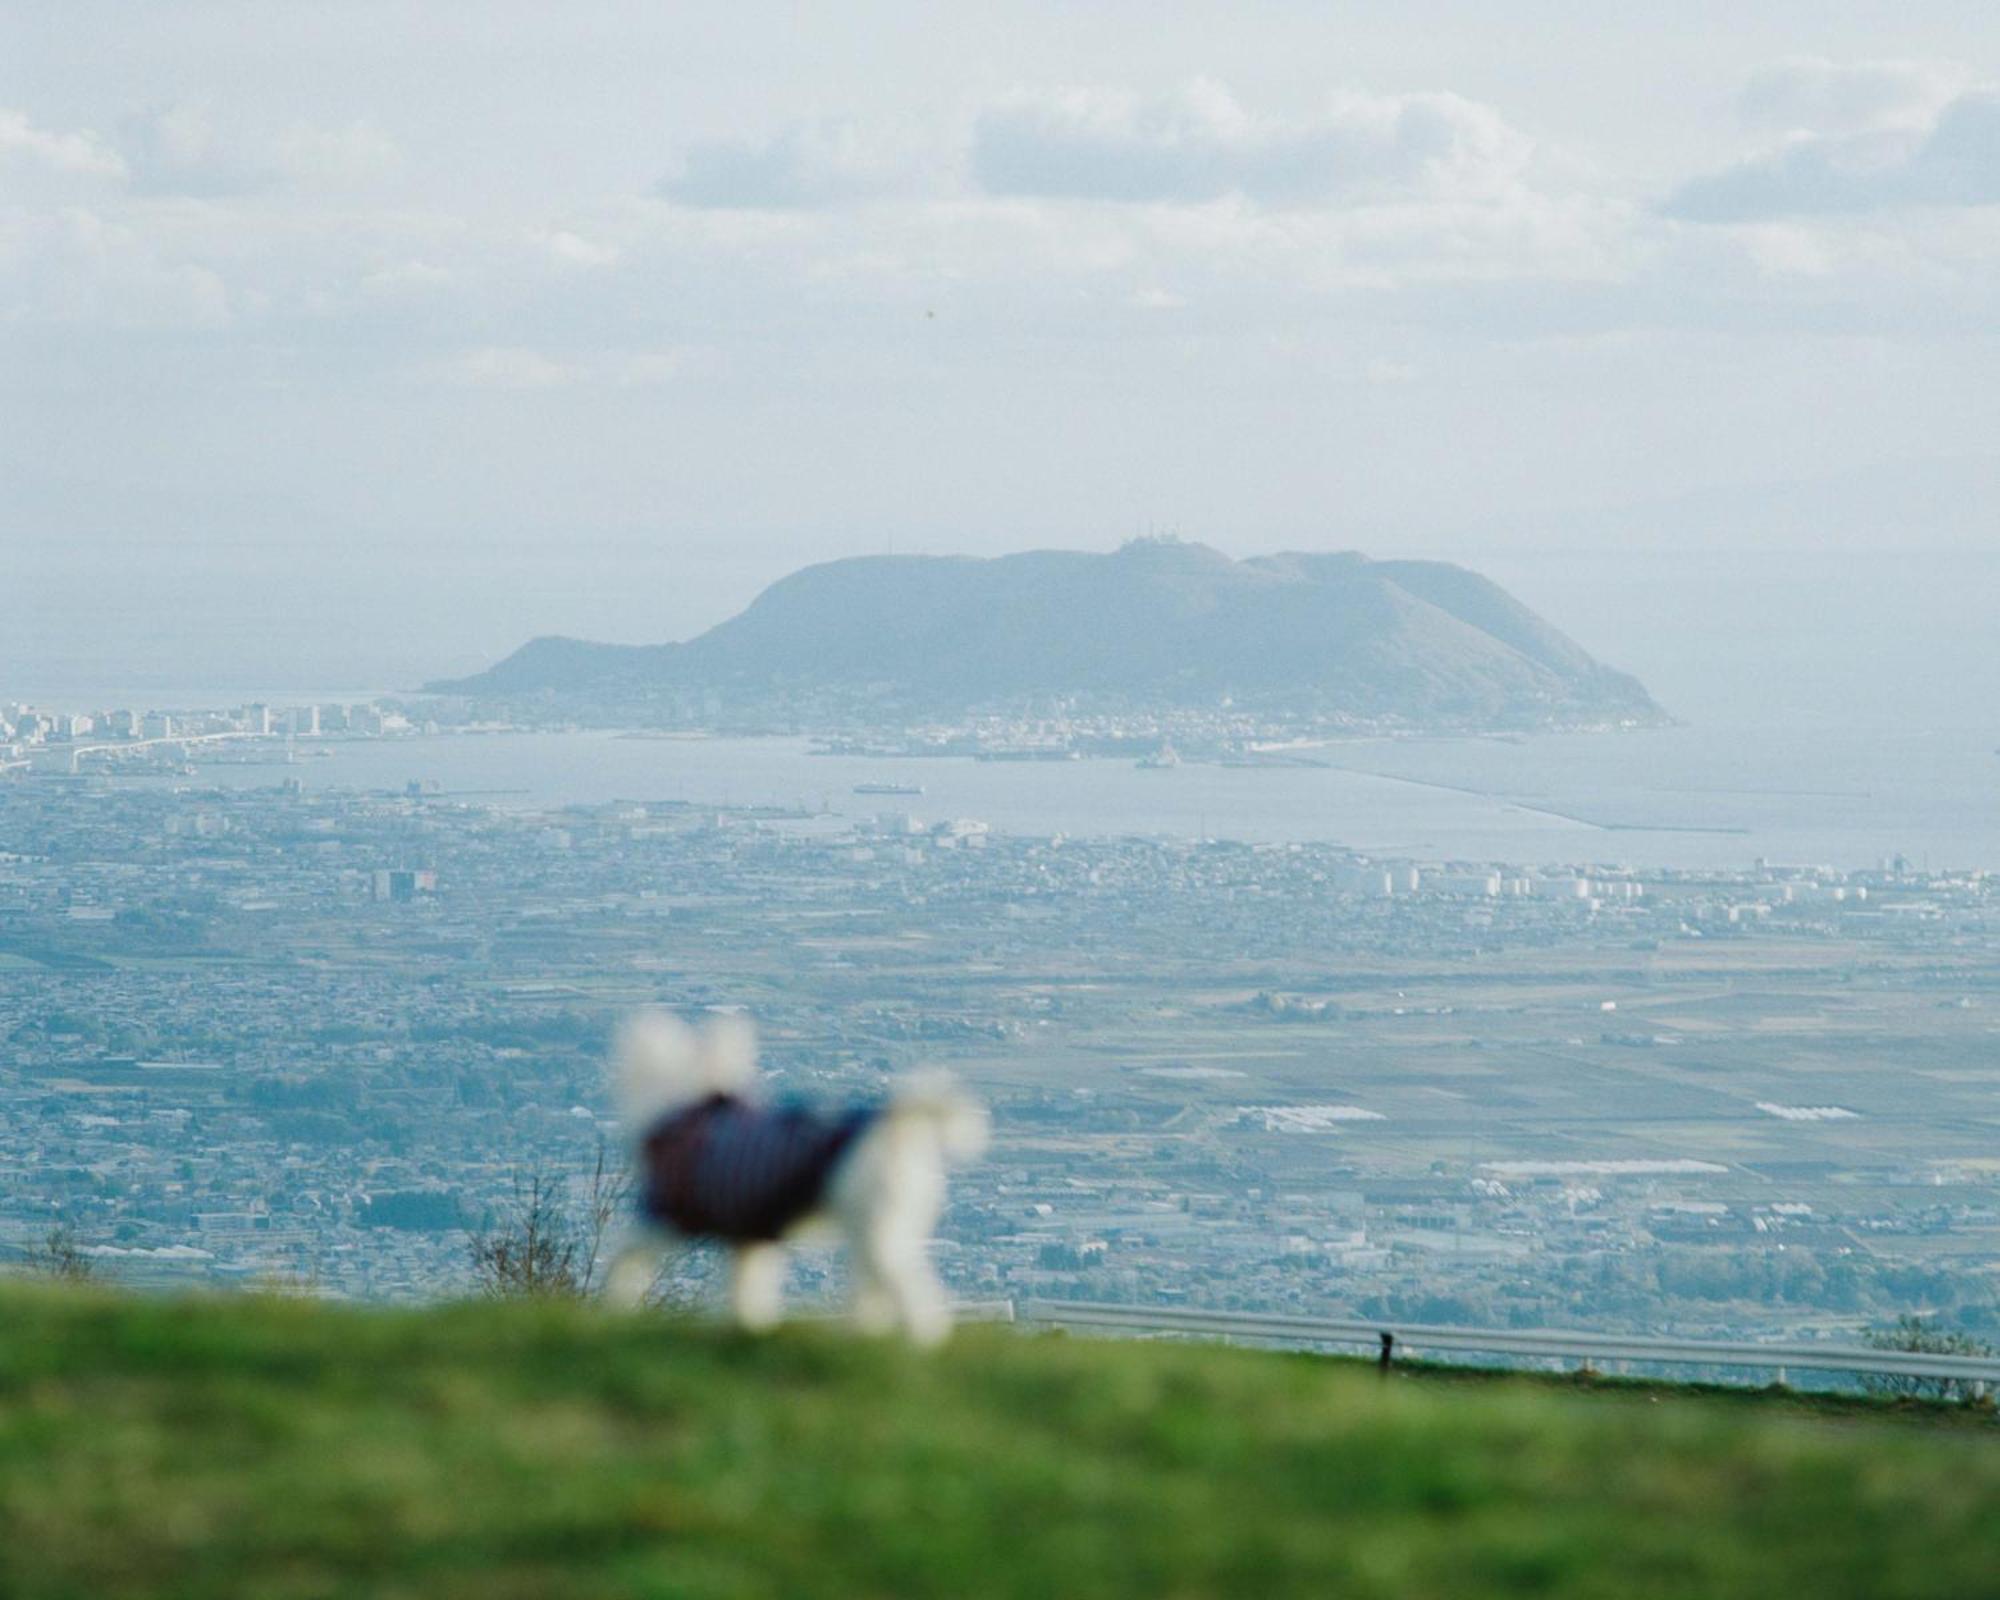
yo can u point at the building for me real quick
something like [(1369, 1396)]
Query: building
[(403, 884), (1365, 879)]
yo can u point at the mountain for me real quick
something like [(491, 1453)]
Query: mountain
[(1158, 623)]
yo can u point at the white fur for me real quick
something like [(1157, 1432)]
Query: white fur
[(660, 1063), (883, 1200)]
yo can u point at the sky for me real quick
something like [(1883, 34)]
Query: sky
[(354, 344)]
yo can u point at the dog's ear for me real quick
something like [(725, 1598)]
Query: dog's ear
[(728, 1051), (656, 1064)]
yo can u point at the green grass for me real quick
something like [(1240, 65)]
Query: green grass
[(274, 1448)]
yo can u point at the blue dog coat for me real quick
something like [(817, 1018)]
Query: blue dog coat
[(725, 1169)]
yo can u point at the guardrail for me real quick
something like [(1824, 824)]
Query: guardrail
[(1590, 1349)]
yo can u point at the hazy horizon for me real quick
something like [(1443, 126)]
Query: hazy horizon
[(359, 346), (1744, 638)]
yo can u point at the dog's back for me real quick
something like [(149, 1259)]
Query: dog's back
[(724, 1169)]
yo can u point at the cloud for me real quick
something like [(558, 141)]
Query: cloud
[(1201, 145), (77, 265), (503, 367), (519, 367), (74, 154), (335, 157), (1816, 95), (572, 249), (1383, 372), (808, 165), (177, 150), (1952, 160), (408, 277)]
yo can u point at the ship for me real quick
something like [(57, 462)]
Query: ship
[(888, 788), (1162, 758)]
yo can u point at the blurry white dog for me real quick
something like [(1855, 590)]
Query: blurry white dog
[(713, 1163)]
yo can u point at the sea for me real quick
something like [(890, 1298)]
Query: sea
[(1679, 797), (1836, 709)]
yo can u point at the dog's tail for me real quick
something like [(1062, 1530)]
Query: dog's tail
[(661, 1064), (935, 1099)]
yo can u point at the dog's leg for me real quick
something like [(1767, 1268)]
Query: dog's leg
[(895, 1286), (919, 1296), (757, 1286), (887, 1198), (643, 1253), (874, 1302)]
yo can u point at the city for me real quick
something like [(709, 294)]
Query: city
[(280, 1036)]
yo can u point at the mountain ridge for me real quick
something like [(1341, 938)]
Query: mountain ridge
[(1155, 623)]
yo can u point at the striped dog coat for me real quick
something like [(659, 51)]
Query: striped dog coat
[(724, 1169)]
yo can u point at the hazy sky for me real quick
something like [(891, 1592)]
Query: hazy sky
[(358, 341)]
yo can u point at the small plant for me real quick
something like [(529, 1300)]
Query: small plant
[(1915, 1334), (546, 1243), (60, 1256)]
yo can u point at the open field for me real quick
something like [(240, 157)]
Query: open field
[(243, 1446), (1807, 1099)]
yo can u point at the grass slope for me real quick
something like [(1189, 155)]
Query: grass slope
[(257, 1447)]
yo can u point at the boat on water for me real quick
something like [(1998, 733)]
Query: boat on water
[(888, 788), (1161, 759)]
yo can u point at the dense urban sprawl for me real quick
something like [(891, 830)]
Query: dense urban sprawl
[(278, 1035)]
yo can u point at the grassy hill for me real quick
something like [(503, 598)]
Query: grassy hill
[(272, 1448)]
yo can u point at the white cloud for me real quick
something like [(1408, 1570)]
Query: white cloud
[(504, 367), (77, 265), (1785, 250), (574, 250), (74, 154), (1201, 145), (1258, 229), (809, 164), (519, 367), (342, 157), (1951, 160), (177, 150), (1389, 373), (1813, 94), (407, 277)]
